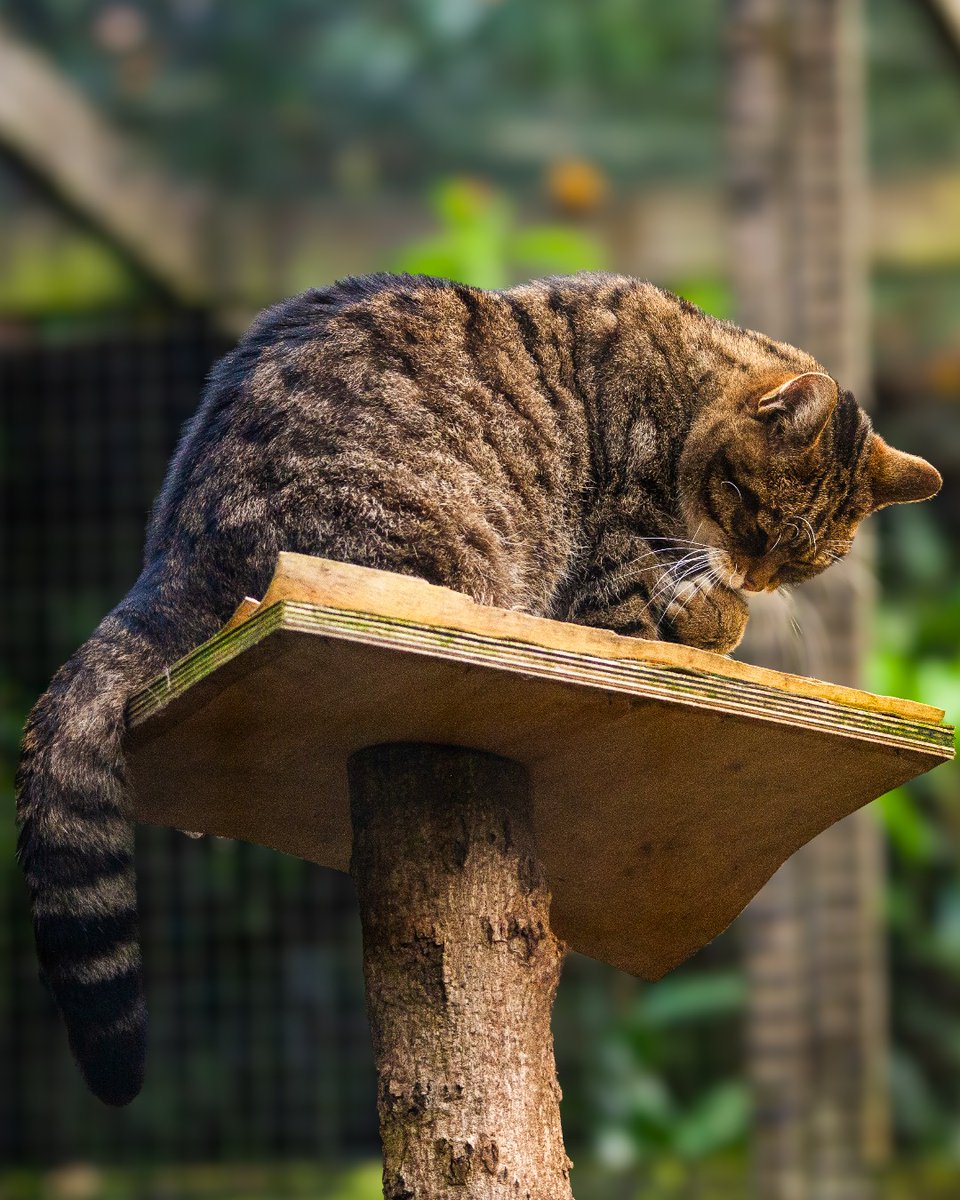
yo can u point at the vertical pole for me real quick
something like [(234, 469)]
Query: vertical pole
[(814, 949), (461, 969)]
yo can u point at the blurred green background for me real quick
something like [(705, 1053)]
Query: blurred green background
[(166, 169)]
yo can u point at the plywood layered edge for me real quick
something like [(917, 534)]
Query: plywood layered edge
[(648, 677), (314, 594), (302, 578)]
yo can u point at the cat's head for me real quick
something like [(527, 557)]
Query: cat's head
[(778, 481)]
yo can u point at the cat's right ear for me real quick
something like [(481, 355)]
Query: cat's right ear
[(797, 411), (899, 478)]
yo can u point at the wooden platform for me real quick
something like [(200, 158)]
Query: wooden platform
[(669, 783)]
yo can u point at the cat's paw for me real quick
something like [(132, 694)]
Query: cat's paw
[(708, 617)]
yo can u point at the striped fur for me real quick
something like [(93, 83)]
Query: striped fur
[(556, 448)]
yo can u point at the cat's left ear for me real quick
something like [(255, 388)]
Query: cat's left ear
[(798, 411), (898, 478)]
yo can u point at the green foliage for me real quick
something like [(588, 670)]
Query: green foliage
[(288, 95), (481, 243), (712, 295), (700, 997), (238, 1180), (916, 654), (640, 1116), (719, 1119), (72, 272)]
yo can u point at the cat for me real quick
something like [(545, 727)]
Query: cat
[(588, 448)]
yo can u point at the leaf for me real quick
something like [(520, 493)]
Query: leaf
[(432, 256), (712, 295), (913, 1100), (694, 997), (919, 544), (906, 826), (556, 249), (716, 1122)]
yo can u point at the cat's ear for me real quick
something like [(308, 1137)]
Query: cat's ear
[(797, 411), (898, 478)]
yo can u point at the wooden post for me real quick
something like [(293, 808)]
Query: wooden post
[(813, 938), (461, 969)]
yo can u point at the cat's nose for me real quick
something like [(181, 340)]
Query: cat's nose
[(758, 577)]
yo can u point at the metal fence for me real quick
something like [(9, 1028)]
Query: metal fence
[(259, 1045)]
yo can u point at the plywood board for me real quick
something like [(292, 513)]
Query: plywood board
[(669, 784)]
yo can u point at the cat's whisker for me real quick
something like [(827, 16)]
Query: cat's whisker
[(682, 562), (696, 573), (645, 562), (675, 579), (664, 551), (816, 641), (809, 530), (731, 484), (653, 559), (861, 578), (650, 561), (710, 574), (697, 568), (676, 541), (790, 607), (667, 583), (656, 559)]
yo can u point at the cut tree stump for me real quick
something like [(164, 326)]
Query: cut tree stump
[(461, 969), (514, 784)]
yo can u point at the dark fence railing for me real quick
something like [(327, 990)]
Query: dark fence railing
[(259, 1046)]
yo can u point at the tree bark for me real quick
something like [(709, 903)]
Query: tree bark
[(461, 969)]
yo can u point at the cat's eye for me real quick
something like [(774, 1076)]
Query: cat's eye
[(748, 498), (749, 534)]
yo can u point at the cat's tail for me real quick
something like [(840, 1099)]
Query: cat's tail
[(76, 832)]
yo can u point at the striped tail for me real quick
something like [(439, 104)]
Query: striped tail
[(76, 846)]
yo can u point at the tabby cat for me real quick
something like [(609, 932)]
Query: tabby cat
[(587, 448)]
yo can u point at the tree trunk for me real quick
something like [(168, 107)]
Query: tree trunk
[(461, 969)]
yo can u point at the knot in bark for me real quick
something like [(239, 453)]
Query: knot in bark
[(521, 937), (395, 1187), (460, 1161)]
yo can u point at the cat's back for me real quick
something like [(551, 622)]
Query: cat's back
[(417, 357), (387, 377), (311, 329), (426, 328)]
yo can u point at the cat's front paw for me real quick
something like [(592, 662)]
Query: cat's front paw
[(710, 618)]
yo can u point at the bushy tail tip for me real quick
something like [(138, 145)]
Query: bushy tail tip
[(112, 1061)]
